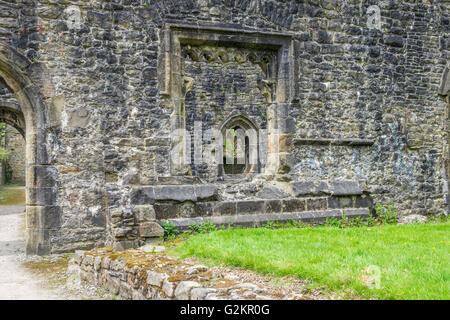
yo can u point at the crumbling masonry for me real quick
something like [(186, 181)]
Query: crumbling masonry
[(348, 101)]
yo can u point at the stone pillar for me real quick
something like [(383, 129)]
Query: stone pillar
[(444, 90)]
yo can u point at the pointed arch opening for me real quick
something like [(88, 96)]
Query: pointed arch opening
[(240, 152)]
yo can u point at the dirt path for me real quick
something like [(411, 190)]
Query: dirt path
[(16, 282)]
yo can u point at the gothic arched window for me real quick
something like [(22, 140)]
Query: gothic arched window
[(240, 147)]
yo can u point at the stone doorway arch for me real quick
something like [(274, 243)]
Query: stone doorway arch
[(10, 113), (33, 91)]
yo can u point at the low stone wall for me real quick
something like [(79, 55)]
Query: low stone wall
[(138, 275)]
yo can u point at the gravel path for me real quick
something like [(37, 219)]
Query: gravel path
[(16, 283)]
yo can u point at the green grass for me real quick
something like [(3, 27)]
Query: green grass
[(413, 260), (12, 196)]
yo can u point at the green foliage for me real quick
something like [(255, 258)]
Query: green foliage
[(412, 259), (344, 222), (205, 227), (333, 222), (439, 219), (271, 225), (170, 231), (357, 222), (4, 154), (230, 148), (387, 214), (371, 221), (287, 224)]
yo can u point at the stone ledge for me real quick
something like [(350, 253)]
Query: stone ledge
[(335, 142), (176, 193), (165, 211), (137, 275), (317, 188), (258, 220)]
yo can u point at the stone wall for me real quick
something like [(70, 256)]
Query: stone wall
[(15, 164), (353, 92), (137, 275)]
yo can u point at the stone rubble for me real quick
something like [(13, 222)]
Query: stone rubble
[(136, 275)]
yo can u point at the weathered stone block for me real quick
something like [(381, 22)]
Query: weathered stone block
[(201, 293), (293, 205), (206, 192), (88, 260), (271, 193), (155, 278), (78, 257), (41, 176), (203, 209), (106, 263), (41, 196), (113, 285), (394, 41), (364, 201), (196, 269), (142, 196), (343, 188), (120, 245), (225, 208), (144, 213), (249, 207), (166, 211), (316, 204), (168, 288), (97, 263), (183, 290), (150, 230), (125, 290), (273, 206), (308, 188), (340, 202), (44, 217), (175, 193)]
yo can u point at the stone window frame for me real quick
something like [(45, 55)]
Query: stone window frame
[(245, 124), (172, 86)]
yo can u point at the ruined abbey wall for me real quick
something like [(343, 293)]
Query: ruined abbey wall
[(348, 96), (15, 164)]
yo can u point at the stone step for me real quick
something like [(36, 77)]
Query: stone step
[(259, 220), (164, 211), (143, 195)]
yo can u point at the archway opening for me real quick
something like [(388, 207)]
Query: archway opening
[(24, 106), (12, 167), (240, 147), (12, 149), (236, 153)]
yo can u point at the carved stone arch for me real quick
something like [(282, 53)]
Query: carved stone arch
[(33, 90), (182, 41), (251, 132), (10, 113)]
